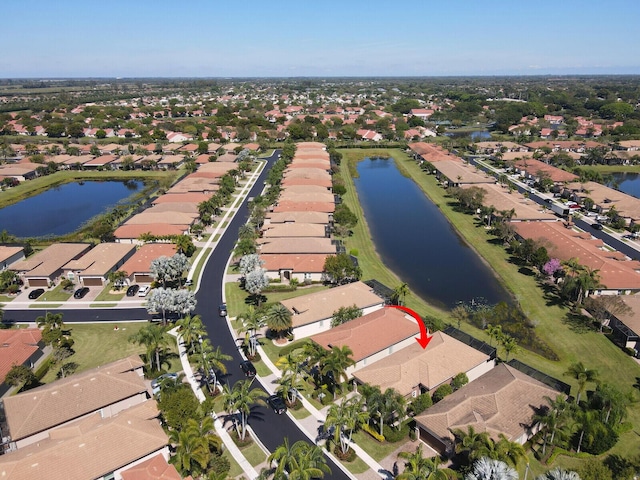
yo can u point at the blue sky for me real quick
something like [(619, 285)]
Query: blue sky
[(216, 38)]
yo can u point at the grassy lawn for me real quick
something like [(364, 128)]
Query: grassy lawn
[(235, 469), (570, 343), (357, 466), (108, 295), (254, 454), (300, 413), (238, 299), (5, 298), (379, 450), (58, 294), (203, 260), (97, 344), (46, 305)]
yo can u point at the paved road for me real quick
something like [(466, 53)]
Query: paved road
[(270, 428)]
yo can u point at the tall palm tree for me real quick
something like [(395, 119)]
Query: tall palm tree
[(489, 469), (335, 365), (392, 406), (470, 441), (510, 452), (290, 383), (155, 338), (279, 319), (416, 467), (252, 321), (191, 330), (192, 454), (300, 461), (211, 362), (345, 418), (583, 375), (240, 399), (559, 474), (400, 292)]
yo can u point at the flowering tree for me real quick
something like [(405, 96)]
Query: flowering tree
[(552, 266)]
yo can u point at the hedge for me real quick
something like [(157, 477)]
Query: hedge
[(367, 428)]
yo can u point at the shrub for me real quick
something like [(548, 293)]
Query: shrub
[(371, 431), (393, 435), (421, 403), (441, 392), (350, 456), (354, 252)]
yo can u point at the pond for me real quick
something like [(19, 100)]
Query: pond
[(415, 240), (628, 183), (65, 208), (475, 135)]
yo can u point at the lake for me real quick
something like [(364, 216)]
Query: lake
[(628, 183), (65, 208), (415, 240)]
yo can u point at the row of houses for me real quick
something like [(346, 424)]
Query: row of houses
[(60, 430), (296, 235)]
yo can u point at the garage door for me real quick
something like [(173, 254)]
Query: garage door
[(91, 282), (143, 278), (38, 282)]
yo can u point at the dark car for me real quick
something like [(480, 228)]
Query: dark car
[(277, 404), (81, 292), (132, 290), (597, 226), (222, 310), (248, 369), (36, 293)]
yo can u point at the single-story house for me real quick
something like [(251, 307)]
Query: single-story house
[(535, 170), (297, 217), (457, 173), (133, 233), (499, 197), (302, 206), (286, 266), (154, 468), (296, 245), (371, 337), (415, 370), (190, 197), (10, 255), (295, 230), (93, 268), (296, 197), (44, 267), (312, 313), (31, 416), (18, 347), (626, 326), (138, 266), (93, 447), (502, 401)]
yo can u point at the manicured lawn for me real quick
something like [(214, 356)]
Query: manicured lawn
[(97, 344), (254, 454), (196, 272), (46, 305), (357, 466), (58, 294), (109, 295), (5, 298), (379, 450), (238, 299)]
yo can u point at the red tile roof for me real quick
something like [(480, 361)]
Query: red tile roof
[(16, 346)]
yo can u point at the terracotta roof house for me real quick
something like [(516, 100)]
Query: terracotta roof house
[(217, 167), (101, 161), (168, 217), (93, 268), (312, 313), (302, 266), (155, 468), (180, 207), (322, 181), (604, 198), (499, 197), (535, 169), (109, 389), (371, 337), (495, 147), (297, 217), (295, 230), (617, 274), (196, 184), (503, 400), (456, 173), (296, 245), (315, 163), (430, 153), (314, 189), (132, 233), (306, 173), (626, 326), (302, 206), (308, 197), (170, 161), (45, 266), (78, 451), (10, 255), (415, 370), (18, 347), (20, 171), (190, 197), (138, 266)]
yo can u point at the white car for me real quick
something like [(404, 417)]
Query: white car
[(143, 291)]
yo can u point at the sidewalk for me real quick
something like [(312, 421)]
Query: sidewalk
[(220, 430)]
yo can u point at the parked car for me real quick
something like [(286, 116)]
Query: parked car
[(597, 226), (222, 310), (81, 292), (132, 290), (144, 290), (248, 369), (33, 294), (277, 404), (157, 382)]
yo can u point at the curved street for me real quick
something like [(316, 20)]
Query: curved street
[(270, 428)]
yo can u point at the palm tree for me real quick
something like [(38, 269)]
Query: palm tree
[(510, 345), (335, 365), (192, 454), (290, 383), (391, 406), (345, 418), (301, 461), (155, 338), (416, 467), (583, 375), (559, 474), (211, 362), (510, 452), (252, 321), (400, 292), (241, 398), (279, 319), (191, 330), (494, 332), (470, 441), (490, 469)]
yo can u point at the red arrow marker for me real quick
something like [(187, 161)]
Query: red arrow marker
[(424, 338)]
